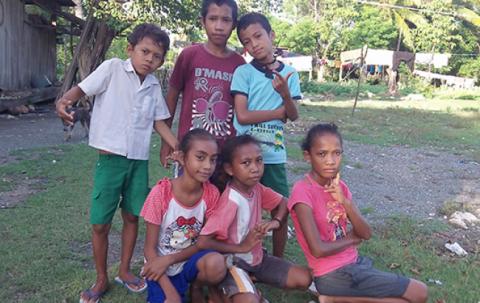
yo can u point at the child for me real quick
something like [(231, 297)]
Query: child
[(238, 223), (321, 207), (264, 93), (174, 212), (128, 102), (203, 73)]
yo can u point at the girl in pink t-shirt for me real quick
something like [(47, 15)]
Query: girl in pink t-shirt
[(174, 212), (321, 207), (237, 229)]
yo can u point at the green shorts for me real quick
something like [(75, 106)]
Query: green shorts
[(119, 182), (275, 177)]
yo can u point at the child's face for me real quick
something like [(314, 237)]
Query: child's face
[(246, 167), (258, 42), (325, 156), (200, 160), (218, 24), (146, 56)]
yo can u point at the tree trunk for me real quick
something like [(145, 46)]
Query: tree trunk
[(90, 52)]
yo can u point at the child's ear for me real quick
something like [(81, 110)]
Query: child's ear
[(227, 167), (272, 35), (306, 156), (129, 48), (181, 158)]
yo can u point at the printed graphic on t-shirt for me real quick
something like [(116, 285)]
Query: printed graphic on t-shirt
[(337, 218), (180, 234), (269, 135), (211, 112)]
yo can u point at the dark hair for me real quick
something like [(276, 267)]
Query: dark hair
[(151, 31), (195, 134), (233, 5), (319, 130), (231, 145), (252, 18)]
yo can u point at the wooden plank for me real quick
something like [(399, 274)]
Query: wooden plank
[(54, 7), (37, 95)]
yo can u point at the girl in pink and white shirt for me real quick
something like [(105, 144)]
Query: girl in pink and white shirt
[(174, 212), (237, 229)]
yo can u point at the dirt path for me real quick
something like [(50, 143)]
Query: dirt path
[(40, 128)]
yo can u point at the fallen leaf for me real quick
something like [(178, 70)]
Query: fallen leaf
[(394, 266)]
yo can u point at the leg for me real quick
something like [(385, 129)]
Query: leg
[(100, 251), (275, 177), (129, 238), (280, 236), (298, 277), (245, 298), (417, 292), (328, 299), (211, 268)]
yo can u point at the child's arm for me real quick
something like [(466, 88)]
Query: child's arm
[(280, 84), (317, 247), (361, 228), (276, 222), (245, 116), (157, 265), (253, 237), (66, 101), (171, 99), (165, 132)]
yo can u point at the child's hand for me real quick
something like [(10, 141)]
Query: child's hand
[(335, 190), (253, 238), (280, 84), (62, 106), (281, 114), (267, 226), (353, 236), (165, 151), (155, 268)]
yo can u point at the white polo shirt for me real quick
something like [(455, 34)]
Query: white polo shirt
[(124, 109)]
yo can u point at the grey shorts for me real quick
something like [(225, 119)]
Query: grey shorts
[(272, 271), (360, 279)]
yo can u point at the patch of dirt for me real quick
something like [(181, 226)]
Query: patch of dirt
[(84, 251), (22, 190)]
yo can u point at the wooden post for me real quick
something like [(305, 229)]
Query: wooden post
[(362, 60)]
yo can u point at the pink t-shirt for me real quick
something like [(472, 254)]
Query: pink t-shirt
[(180, 225), (204, 80), (331, 220), (237, 213)]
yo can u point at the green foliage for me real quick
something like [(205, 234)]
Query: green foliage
[(373, 28), (470, 68)]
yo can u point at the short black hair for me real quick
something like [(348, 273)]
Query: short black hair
[(153, 32), (319, 130), (195, 134), (252, 18), (232, 144), (233, 5)]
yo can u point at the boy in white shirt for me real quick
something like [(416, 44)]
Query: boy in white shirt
[(128, 103)]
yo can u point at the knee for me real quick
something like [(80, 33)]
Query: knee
[(299, 278), (214, 267), (417, 292), (129, 218), (101, 229)]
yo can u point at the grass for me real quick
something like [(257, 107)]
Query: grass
[(45, 255), (441, 124)]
